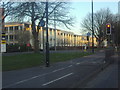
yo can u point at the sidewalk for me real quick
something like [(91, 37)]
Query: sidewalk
[(107, 78), (81, 68)]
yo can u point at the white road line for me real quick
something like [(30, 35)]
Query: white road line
[(58, 70), (25, 80), (57, 79), (77, 63), (70, 66)]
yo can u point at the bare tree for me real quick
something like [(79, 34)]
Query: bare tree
[(7, 8), (101, 18), (35, 11), (23, 37)]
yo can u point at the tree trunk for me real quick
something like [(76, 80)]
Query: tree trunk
[(34, 31), (36, 42)]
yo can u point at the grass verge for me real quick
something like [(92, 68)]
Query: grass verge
[(36, 59)]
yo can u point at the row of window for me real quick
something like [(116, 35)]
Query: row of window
[(13, 28), (11, 37)]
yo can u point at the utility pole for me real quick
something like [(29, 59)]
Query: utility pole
[(92, 30), (54, 31), (47, 42)]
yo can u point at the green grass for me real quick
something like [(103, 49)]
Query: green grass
[(36, 59)]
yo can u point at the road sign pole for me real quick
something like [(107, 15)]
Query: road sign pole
[(47, 43)]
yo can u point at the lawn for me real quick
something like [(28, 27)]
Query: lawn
[(36, 59)]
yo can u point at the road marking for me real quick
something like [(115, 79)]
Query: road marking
[(77, 63), (58, 70), (70, 66), (25, 80), (62, 68), (57, 79)]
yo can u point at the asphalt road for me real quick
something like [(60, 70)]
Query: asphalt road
[(60, 75)]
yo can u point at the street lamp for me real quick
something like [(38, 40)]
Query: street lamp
[(54, 31), (92, 30)]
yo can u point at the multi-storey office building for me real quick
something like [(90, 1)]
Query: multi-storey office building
[(57, 37)]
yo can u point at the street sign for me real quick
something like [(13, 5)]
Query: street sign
[(88, 34), (3, 47), (42, 23), (3, 43)]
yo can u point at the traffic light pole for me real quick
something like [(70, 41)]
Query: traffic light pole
[(47, 43)]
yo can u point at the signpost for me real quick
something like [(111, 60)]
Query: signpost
[(3, 43), (2, 39)]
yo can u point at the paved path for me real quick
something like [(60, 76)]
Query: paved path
[(108, 78), (67, 74)]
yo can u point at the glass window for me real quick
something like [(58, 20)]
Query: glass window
[(11, 28), (11, 37), (26, 25), (6, 37), (16, 27), (6, 29)]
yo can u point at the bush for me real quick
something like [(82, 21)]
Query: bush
[(18, 48), (12, 48)]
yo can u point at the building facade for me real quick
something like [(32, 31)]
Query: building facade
[(59, 38)]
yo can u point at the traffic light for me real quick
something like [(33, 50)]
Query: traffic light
[(108, 29)]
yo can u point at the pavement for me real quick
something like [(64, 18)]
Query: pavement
[(107, 78), (69, 74)]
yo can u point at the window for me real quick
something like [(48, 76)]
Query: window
[(26, 25), (16, 27), (6, 29), (6, 37), (11, 37), (11, 28)]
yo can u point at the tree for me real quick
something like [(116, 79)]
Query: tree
[(7, 8), (23, 37), (100, 19), (116, 29), (35, 11)]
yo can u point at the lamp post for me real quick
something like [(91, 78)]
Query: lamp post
[(54, 31), (47, 43), (92, 30)]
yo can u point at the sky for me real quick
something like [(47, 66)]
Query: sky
[(81, 9)]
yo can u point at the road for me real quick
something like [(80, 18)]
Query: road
[(67, 74)]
